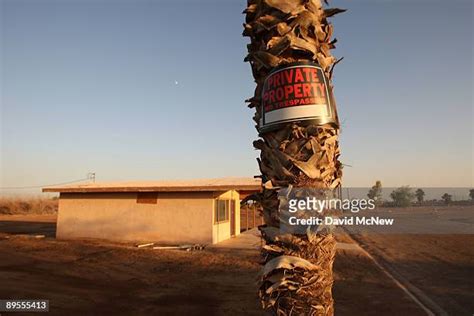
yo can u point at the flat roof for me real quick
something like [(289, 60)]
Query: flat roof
[(193, 185)]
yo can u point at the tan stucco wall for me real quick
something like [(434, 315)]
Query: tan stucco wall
[(221, 231), (176, 218)]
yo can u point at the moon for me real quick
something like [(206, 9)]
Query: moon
[(175, 82)]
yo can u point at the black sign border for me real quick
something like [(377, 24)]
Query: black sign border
[(330, 118)]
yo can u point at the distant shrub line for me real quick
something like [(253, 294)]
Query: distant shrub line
[(404, 196), (28, 205)]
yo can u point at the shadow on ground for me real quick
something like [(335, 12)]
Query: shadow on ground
[(30, 228)]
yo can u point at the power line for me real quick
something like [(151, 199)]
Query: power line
[(44, 185)]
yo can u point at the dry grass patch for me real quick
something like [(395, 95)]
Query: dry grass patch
[(28, 205)]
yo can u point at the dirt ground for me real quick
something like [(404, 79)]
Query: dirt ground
[(439, 261), (102, 278), (442, 266)]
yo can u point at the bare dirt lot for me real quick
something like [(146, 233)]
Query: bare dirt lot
[(442, 266), (98, 278)]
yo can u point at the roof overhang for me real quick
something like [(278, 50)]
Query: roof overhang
[(198, 185)]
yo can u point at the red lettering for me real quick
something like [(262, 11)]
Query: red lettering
[(294, 87), (307, 74), (279, 93), (322, 89), (299, 75), (277, 79), (306, 89), (271, 96), (288, 91), (297, 89)]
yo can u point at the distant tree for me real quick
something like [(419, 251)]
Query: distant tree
[(447, 198), (375, 193), (420, 195), (471, 194), (403, 196)]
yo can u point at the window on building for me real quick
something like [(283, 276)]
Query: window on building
[(147, 198), (221, 211)]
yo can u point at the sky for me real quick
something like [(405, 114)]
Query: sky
[(155, 89)]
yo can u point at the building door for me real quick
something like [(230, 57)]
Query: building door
[(232, 217)]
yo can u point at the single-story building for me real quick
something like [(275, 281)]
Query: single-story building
[(201, 211)]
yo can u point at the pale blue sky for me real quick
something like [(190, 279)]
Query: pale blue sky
[(89, 85)]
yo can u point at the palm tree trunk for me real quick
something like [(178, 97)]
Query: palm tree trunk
[(297, 277)]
